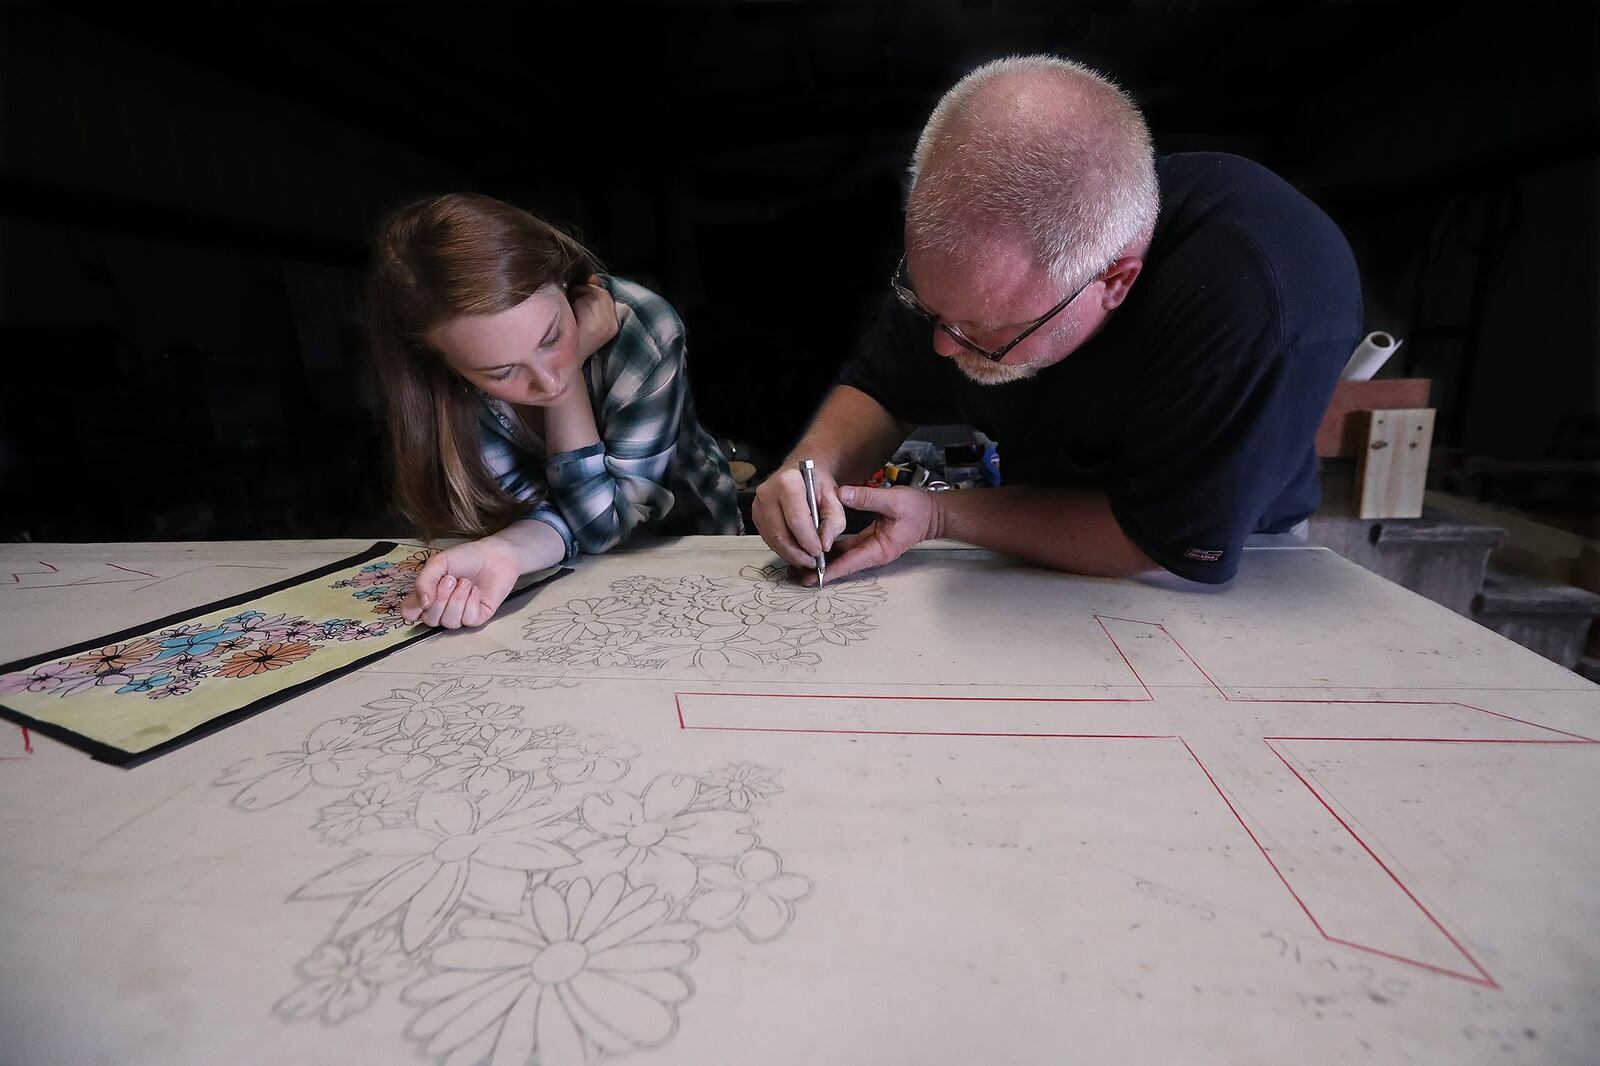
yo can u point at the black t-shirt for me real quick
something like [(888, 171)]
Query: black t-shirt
[(1196, 405)]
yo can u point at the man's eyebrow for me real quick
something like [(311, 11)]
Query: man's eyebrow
[(984, 327), (980, 327)]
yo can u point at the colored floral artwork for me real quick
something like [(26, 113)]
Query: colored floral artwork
[(265, 657), (493, 873), (181, 659)]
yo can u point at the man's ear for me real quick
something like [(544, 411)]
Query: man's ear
[(1119, 278)]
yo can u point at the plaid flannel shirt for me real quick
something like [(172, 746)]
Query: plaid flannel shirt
[(654, 464)]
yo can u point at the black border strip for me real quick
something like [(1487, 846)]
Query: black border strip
[(103, 752)]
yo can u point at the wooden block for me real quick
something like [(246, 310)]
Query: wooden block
[(1393, 470), (1344, 430)]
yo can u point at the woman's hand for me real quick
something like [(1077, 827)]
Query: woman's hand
[(596, 314), (463, 585)]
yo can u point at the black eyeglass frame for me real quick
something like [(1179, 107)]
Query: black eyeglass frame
[(908, 299)]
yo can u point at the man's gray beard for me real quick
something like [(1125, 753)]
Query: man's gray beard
[(984, 372)]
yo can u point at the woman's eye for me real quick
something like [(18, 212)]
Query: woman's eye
[(502, 375)]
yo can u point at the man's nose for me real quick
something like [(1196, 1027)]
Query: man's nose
[(944, 344)]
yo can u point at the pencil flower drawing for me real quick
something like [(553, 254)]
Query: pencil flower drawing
[(505, 879), (499, 881), (755, 619)]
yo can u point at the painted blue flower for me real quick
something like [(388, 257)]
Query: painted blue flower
[(372, 592), (196, 644), (145, 684), (243, 616)]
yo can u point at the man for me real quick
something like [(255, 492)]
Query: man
[(1151, 341)]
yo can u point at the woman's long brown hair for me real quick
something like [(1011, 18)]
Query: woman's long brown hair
[(437, 260)]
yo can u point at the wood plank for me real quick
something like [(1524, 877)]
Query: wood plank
[(1394, 463)]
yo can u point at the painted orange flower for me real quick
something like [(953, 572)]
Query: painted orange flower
[(115, 658), (387, 605), (263, 658), (414, 563)]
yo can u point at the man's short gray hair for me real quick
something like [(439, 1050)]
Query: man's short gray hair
[(1040, 150)]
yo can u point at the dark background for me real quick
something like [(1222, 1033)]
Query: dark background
[(186, 199)]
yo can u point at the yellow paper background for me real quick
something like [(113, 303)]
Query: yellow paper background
[(133, 722)]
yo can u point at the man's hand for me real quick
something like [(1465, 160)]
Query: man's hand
[(463, 585), (906, 516), (596, 313), (783, 517)]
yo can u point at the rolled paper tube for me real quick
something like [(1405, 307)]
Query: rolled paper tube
[(1373, 351)]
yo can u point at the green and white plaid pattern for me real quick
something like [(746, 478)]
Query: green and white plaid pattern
[(654, 465)]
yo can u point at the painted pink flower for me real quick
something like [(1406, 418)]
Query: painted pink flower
[(367, 578), (61, 678), (364, 631)]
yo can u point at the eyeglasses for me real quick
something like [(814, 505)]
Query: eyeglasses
[(901, 284)]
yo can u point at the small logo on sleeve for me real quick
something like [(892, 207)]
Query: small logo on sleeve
[(1203, 555)]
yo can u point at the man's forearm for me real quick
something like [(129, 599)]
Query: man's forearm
[(851, 436), (1057, 528)]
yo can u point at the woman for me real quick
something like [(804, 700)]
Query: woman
[(537, 407)]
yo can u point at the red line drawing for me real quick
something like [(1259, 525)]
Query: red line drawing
[(1276, 742), (16, 575), (27, 747), (88, 579)]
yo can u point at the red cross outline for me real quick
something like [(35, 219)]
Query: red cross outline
[(1257, 787)]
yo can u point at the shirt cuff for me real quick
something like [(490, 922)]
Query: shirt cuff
[(552, 518)]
